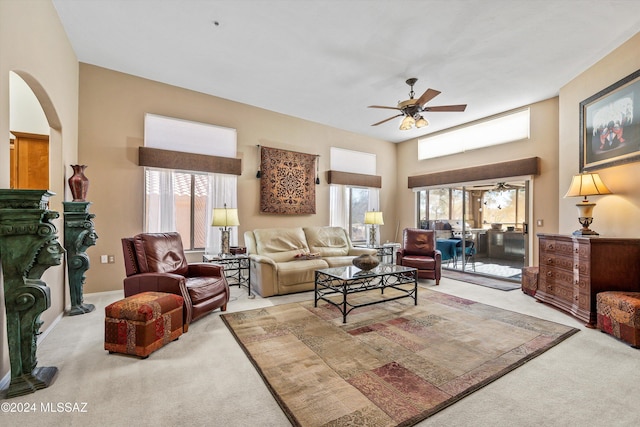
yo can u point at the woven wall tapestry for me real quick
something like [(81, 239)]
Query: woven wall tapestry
[(287, 184)]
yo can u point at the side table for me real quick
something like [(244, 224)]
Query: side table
[(384, 252), (236, 269)]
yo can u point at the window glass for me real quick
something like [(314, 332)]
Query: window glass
[(359, 204), (177, 201), (439, 204)]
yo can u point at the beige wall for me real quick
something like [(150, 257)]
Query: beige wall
[(34, 45), (112, 109), (543, 143), (615, 215)]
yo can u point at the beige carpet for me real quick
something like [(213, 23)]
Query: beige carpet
[(391, 364)]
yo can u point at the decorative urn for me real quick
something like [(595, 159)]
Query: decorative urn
[(366, 262)]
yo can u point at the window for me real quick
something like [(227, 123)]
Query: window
[(348, 206), (185, 210), (183, 200), (507, 128), (358, 205)]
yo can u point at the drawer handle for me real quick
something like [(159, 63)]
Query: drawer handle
[(549, 287), (549, 274), (549, 260), (576, 250), (575, 298)]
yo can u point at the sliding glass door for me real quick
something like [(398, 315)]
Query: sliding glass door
[(481, 228)]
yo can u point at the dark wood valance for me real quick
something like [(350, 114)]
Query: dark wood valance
[(356, 179), (529, 166), (168, 159)]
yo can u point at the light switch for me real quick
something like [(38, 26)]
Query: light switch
[(540, 222)]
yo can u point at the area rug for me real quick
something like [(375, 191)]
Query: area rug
[(391, 364), (489, 282)]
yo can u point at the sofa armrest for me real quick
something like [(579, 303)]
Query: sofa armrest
[(160, 282), (264, 275)]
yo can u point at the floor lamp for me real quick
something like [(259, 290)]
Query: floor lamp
[(225, 218)]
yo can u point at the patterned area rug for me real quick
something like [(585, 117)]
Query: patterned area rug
[(391, 364)]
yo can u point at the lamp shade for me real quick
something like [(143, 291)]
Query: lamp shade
[(587, 184), (225, 217), (373, 218), (407, 123)]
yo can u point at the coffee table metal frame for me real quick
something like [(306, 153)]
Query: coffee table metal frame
[(350, 280)]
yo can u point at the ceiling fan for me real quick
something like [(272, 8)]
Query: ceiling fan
[(412, 108)]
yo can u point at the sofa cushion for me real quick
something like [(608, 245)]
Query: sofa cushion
[(281, 244), (204, 288), (328, 241), (301, 271)]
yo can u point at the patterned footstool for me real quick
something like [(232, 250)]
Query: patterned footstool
[(619, 315), (530, 280), (142, 323)]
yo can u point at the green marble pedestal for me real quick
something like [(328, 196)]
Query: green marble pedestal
[(28, 247), (79, 234)]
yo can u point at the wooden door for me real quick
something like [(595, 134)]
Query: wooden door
[(30, 161)]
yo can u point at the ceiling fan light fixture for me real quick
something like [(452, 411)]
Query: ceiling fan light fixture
[(407, 123), (421, 122)]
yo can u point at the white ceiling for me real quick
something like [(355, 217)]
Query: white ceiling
[(327, 60)]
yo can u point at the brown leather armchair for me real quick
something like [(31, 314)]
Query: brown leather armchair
[(156, 262), (419, 251)]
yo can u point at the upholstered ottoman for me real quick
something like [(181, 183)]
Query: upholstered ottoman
[(619, 315), (530, 280), (142, 323)]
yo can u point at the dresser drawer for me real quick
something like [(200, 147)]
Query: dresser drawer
[(557, 247), (553, 260)]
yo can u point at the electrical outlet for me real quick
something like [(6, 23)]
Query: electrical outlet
[(112, 259), (104, 259)]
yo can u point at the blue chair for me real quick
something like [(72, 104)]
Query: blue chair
[(448, 249)]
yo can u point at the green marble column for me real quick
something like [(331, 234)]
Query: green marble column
[(28, 247), (79, 234)]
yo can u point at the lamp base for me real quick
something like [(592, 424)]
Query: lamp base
[(585, 221), (224, 242), (372, 236), (583, 232)]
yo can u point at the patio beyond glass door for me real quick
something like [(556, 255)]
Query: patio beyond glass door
[(480, 229)]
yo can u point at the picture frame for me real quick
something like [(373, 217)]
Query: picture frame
[(610, 125)]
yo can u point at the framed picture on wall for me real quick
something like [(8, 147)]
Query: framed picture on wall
[(610, 125)]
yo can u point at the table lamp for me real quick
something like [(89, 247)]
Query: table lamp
[(583, 185), (373, 218), (225, 218)]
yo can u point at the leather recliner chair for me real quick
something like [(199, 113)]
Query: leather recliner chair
[(419, 251), (156, 262)]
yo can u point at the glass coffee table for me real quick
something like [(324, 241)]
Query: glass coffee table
[(341, 282)]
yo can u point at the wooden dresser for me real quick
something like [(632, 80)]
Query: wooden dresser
[(573, 269)]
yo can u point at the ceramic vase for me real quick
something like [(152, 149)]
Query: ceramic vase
[(78, 183), (366, 262)]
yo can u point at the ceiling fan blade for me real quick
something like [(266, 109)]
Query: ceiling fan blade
[(383, 106), (386, 120), (427, 96), (460, 107)]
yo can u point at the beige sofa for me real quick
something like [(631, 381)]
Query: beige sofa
[(277, 261)]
